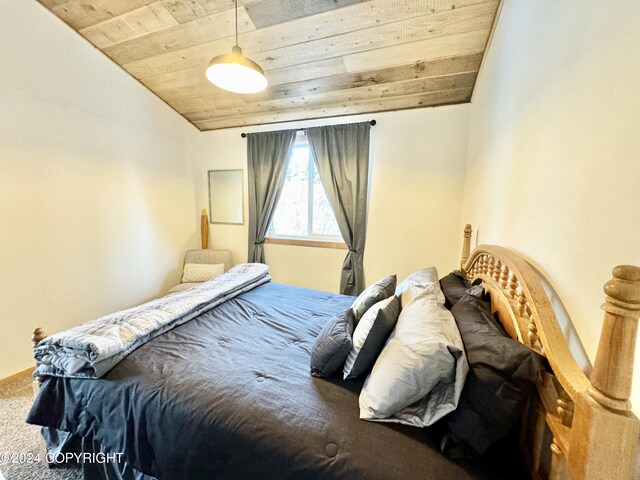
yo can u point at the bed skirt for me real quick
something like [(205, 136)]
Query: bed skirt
[(67, 450)]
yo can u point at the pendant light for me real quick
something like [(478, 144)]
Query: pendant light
[(235, 72)]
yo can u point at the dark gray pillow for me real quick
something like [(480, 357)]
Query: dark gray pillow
[(383, 288), (332, 345), (370, 335), (502, 374), (454, 286)]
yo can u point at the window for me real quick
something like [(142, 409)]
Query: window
[(303, 211)]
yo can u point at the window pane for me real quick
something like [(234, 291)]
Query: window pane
[(292, 212), (324, 221), (296, 209)]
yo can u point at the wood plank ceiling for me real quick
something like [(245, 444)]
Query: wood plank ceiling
[(321, 57)]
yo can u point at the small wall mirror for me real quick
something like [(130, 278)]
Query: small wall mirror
[(226, 197)]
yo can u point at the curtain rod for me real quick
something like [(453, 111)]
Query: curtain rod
[(244, 135)]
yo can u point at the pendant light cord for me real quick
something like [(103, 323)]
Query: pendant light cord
[(236, 2)]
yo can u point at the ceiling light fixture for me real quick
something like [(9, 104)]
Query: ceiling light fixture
[(235, 72)]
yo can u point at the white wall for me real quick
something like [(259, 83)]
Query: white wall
[(96, 195), (418, 162), (554, 149)]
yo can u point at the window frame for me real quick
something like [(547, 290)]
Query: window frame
[(310, 240)]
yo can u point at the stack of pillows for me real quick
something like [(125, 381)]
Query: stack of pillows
[(418, 340), (408, 341)]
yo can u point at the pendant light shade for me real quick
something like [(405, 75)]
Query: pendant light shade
[(236, 73)]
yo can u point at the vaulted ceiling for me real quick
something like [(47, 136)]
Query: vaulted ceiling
[(321, 57)]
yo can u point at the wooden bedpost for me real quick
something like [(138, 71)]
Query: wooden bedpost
[(38, 334), (466, 246), (204, 229), (604, 437)]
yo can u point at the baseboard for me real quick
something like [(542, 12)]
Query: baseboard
[(27, 372)]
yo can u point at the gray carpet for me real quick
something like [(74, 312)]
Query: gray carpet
[(16, 437)]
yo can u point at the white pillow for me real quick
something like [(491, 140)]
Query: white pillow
[(415, 283), (419, 375), (201, 272)]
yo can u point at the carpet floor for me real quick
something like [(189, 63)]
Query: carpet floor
[(17, 437)]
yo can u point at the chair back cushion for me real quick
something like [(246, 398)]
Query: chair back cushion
[(209, 256)]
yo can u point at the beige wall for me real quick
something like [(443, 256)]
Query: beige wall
[(417, 174), (554, 149), (96, 195)]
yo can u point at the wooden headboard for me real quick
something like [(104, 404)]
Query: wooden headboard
[(575, 428)]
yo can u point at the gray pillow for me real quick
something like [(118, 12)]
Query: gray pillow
[(383, 288), (419, 375), (332, 345), (415, 283), (370, 335)]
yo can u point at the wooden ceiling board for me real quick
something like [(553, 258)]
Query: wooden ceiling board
[(430, 49), (52, 3), (431, 99), (79, 14), (186, 11), (265, 14), (322, 57), (142, 21), (311, 70)]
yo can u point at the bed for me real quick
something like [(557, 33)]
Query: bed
[(236, 400)]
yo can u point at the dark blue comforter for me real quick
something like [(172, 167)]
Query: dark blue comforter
[(229, 395)]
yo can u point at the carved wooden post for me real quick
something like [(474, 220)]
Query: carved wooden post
[(513, 285), (558, 463), (532, 334), (604, 437), (504, 277), (204, 229), (565, 408), (466, 246), (38, 334)]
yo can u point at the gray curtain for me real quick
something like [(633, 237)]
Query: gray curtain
[(341, 155), (268, 155)]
